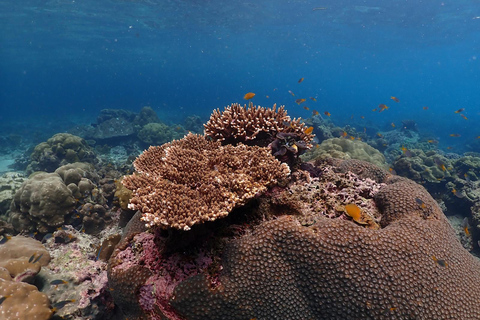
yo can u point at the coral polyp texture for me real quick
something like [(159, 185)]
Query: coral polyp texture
[(295, 253), (253, 125), (193, 180)]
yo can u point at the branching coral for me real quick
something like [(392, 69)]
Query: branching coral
[(193, 180), (253, 125)]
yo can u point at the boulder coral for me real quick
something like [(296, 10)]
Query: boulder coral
[(294, 254), (59, 150), (21, 261), (342, 148), (46, 201)]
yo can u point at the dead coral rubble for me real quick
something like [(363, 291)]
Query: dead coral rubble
[(193, 180)]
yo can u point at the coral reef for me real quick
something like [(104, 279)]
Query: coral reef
[(41, 203), (10, 182), (48, 200), (342, 148), (61, 149), (157, 133), (21, 261), (172, 192), (253, 125), (77, 275), (296, 254), (423, 166)]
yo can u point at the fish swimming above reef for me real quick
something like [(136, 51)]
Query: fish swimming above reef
[(395, 99), (382, 107), (249, 96), (301, 80), (300, 101), (460, 110)]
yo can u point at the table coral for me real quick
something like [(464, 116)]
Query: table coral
[(304, 259), (193, 180)]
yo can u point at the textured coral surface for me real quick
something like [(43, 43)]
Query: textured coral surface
[(194, 180), (297, 255), (253, 125)]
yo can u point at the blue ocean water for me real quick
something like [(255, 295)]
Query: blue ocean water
[(61, 62)]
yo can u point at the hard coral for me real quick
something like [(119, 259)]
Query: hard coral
[(253, 125), (193, 180), (305, 259), (60, 149), (19, 299), (336, 269), (342, 148)]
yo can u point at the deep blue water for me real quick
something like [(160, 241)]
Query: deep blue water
[(61, 62)]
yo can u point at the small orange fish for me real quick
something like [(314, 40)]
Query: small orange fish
[(362, 117), (456, 135), (267, 97), (352, 138), (460, 110), (382, 107), (477, 137), (300, 101), (433, 141), (315, 113), (392, 171), (449, 148), (395, 99), (293, 94), (463, 116), (344, 134), (313, 99), (354, 211), (466, 226), (309, 130), (454, 191), (374, 109), (379, 135), (425, 108), (306, 108), (328, 114), (300, 80), (249, 96), (392, 124)]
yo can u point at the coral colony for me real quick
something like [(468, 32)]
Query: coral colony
[(235, 223)]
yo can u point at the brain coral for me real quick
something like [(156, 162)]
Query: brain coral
[(194, 180), (253, 125), (306, 259), (342, 148)]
